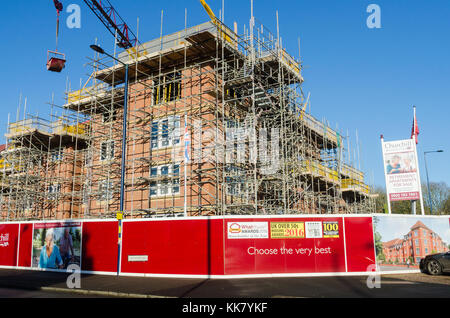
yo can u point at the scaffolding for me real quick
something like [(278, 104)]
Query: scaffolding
[(254, 151)]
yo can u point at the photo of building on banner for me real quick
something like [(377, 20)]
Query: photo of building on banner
[(401, 241), (401, 171)]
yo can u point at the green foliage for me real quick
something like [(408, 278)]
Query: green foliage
[(379, 247), (76, 238), (446, 206), (380, 200), (440, 198), (404, 207)]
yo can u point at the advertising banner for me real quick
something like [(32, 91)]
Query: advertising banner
[(401, 241), (56, 245), (237, 230), (401, 170), (294, 245)]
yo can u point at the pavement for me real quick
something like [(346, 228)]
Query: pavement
[(53, 284)]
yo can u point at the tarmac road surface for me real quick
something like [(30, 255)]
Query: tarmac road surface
[(47, 284)]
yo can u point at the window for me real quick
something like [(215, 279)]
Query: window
[(167, 88), (168, 182), (417, 242), (416, 233), (426, 250), (109, 115), (417, 251), (107, 150), (165, 132), (28, 204), (53, 191), (235, 182), (57, 155), (105, 190), (85, 194)]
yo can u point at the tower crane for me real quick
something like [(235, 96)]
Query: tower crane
[(112, 20)]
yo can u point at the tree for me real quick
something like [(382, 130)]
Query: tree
[(404, 207), (440, 198), (378, 243), (446, 206), (380, 200), (399, 207)]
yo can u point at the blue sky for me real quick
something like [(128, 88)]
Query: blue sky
[(359, 78)]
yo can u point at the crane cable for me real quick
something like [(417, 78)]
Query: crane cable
[(59, 8)]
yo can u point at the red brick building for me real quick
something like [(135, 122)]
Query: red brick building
[(419, 242), (229, 98)]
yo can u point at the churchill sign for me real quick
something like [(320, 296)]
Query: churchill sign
[(401, 170)]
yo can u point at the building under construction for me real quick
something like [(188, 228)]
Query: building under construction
[(233, 103)]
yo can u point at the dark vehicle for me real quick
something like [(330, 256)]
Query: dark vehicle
[(435, 264)]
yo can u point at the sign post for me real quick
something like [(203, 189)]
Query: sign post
[(119, 242)]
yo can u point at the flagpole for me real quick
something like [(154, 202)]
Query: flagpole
[(417, 162), (413, 203), (418, 177), (385, 176)]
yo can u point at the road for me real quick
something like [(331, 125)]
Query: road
[(396, 268), (22, 293), (45, 284)]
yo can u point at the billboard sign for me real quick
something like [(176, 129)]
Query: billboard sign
[(401, 170), (248, 230), (56, 245)]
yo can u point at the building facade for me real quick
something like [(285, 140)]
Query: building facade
[(416, 244), (231, 103)]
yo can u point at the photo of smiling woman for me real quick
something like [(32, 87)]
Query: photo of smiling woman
[(50, 256), (56, 245)]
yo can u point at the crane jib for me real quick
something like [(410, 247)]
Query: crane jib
[(111, 19)]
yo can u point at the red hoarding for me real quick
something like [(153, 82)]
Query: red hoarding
[(8, 244), (211, 246), (359, 243), (99, 246), (189, 247), (25, 246)]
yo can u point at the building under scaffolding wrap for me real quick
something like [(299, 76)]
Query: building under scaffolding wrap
[(254, 149)]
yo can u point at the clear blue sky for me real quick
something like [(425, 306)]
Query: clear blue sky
[(359, 78)]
